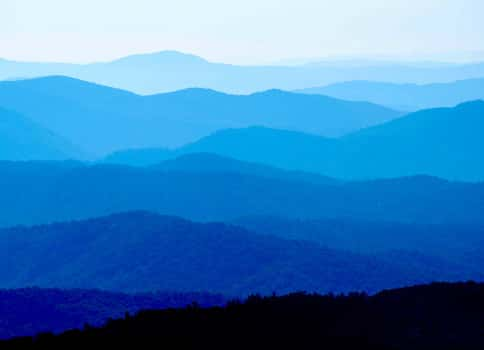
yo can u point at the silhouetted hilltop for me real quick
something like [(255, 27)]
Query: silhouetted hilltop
[(437, 316), (30, 311), (102, 120)]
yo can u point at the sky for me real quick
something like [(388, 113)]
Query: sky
[(242, 31)]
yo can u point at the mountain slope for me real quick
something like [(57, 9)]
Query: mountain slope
[(274, 108), (75, 192), (405, 97), (212, 163), (437, 316), (462, 244), (444, 142), (22, 139), (280, 148), (85, 113), (139, 252), (169, 71), (31, 311)]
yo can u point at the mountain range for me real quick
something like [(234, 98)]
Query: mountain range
[(39, 193), (169, 71), (23, 139), (85, 113), (143, 252), (30, 311), (405, 97), (212, 163), (442, 142), (426, 317), (460, 244)]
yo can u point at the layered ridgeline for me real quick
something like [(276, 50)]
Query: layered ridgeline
[(169, 71), (100, 119), (23, 139), (209, 163), (42, 192), (140, 252), (460, 244), (405, 97), (443, 142), (30, 311), (437, 316)]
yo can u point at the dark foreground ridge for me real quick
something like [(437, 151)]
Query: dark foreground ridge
[(29, 311), (437, 316)]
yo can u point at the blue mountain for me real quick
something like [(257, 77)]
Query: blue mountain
[(102, 120), (207, 163), (443, 142), (405, 97), (67, 191), (23, 139), (461, 244), (143, 252), (169, 70), (30, 311)]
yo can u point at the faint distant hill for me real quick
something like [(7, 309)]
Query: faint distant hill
[(170, 70), (75, 191), (30, 311), (405, 97), (143, 252), (101, 119), (442, 142), (23, 139)]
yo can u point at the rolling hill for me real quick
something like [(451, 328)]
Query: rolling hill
[(436, 316), (30, 311), (143, 252), (168, 71), (405, 97), (462, 244), (22, 139), (75, 191), (85, 113), (443, 142), (212, 164)]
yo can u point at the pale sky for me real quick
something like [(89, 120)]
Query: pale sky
[(242, 31)]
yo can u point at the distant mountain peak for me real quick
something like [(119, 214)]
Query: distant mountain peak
[(196, 91), (472, 104), (163, 57)]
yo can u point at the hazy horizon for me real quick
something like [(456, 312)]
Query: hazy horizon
[(254, 32), (342, 60)]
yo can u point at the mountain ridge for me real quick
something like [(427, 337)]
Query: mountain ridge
[(142, 252), (175, 71), (405, 97), (85, 113), (442, 142), (97, 190), (23, 139)]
